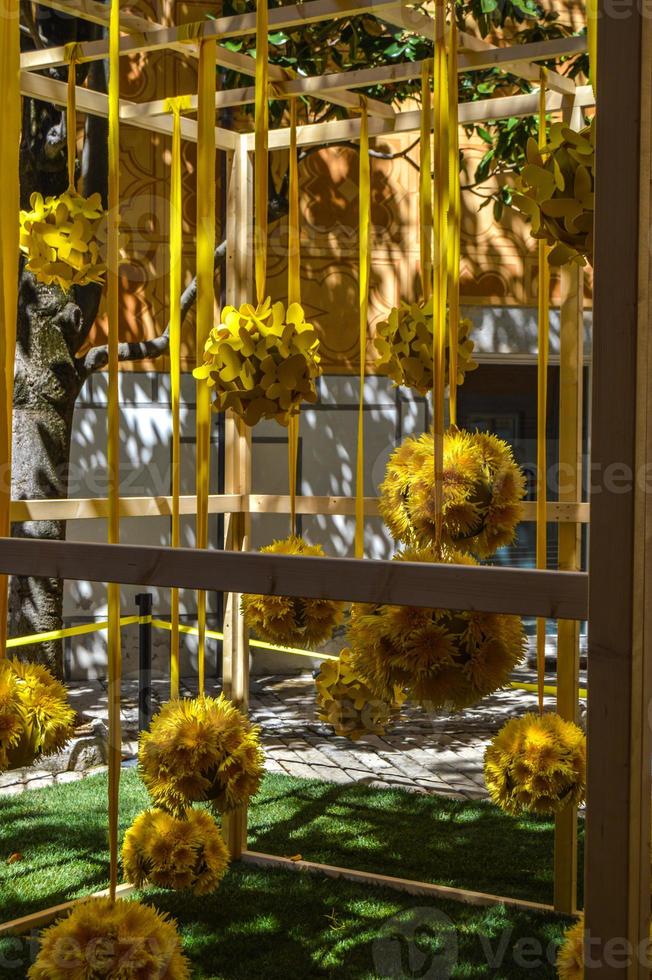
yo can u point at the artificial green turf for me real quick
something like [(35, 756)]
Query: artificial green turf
[(281, 924)]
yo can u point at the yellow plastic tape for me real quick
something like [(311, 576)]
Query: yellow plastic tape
[(83, 630), (205, 306), (542, 409), (454, 222), (113, 453), (71, 53), (261, 178), (425, 183), (9, 225), (365, 222), (440, 268), (592, 37), (294, 296), (257, 644)]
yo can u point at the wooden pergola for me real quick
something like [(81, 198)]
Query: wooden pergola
[(618, 602)]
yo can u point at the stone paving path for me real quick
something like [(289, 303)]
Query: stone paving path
[(424, 753)]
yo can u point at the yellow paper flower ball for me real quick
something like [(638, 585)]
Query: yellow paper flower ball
[(201, 749), (175, 852), (443, 659), (287, 620), (404, 343), (349, 705), (262, 361), (537, 764), (35, 715), (116, 941), (570, 958), (61, 237), (483, 490), (556, 191)]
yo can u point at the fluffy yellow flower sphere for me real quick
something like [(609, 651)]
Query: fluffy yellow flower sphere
[(35, 715), (61, 237), (442, 658), (483, 492), (198, 750), (557, 192), (262, 362), (404, 342), (287, 620), (116, 941), (348, 704), (537, 764), (570, 958), (175, 852)]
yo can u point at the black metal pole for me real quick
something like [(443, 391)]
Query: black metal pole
[(144, 603)]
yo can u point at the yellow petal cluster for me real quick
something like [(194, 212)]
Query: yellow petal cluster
[(261, 361), (556, 191), (61, 238), (537, 764), (201, 749), (287, 620), (570, 958), (441, 658), (483, 492), (349, 705), (119, 940), (404, 343), (35, 715), (185, 852)]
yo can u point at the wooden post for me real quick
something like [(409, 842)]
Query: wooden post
[(620, 610), (571, 346), (239, 286)]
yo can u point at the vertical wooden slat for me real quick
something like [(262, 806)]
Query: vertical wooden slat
[(239, 289), (618, 852)]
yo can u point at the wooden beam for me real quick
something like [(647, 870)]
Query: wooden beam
[(37, 920), (520, 591)]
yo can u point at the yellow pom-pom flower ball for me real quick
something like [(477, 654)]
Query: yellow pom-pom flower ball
[(175, 852), (537, 764), (556, 191), (349, 705), (262, 361), (289, 620), (483, 490), (35, 715), (61, 237), (404, 343), (119, 940), (570, 958), (443, 659), (198, 750)]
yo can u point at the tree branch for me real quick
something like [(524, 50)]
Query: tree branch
[(98, 357)]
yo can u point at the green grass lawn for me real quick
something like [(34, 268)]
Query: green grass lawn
[(272, 924)]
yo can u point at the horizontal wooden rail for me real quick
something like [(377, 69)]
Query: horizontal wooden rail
[(38, 920), (523, 592)]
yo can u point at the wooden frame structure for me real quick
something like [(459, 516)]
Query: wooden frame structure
[(617, 897)]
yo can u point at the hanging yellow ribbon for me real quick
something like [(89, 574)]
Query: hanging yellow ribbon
[(71, 53), (9, 225), (542, 411), (205, 308), (454, 222), (440, 266), (175, 106), (113, 453), (365, 222), (592, 38), (294, 296), (261, 178), (425, 183)]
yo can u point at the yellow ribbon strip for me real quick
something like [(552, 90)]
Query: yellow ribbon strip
[(425, 183), (9, 225), (542, 410), (454, 222), (205, 308), (82, 630), (113, 453), (258, 644), (71, 54), (294, 296), (440, 267), (592, 37), (365, 222), (261, 157)]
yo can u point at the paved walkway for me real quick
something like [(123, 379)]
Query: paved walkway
[(424, 753)]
